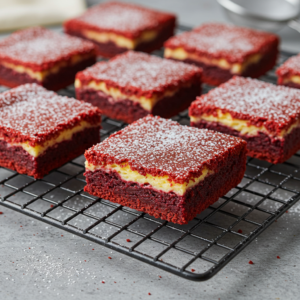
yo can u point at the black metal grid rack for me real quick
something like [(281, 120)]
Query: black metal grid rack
[(196, 251)]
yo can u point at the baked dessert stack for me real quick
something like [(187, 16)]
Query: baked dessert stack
[(167, 170), (38, 55), (265, 115), (134, 84), (223, 51), (40, 130), (116, 27)]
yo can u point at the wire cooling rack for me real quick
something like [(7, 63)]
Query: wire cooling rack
[(196, 251)]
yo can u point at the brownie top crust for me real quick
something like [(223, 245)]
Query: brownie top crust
[(217, 40), (129, 20), (141, 74), (291, 66), (39, 48), (261, 103), (33, 114), (159, 147)]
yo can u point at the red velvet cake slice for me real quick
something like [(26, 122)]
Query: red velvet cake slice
[(40, 130), (116, 27), (265, 115), (134, 84), (289, 72), (162, 168), (225, 50), (38, 55)]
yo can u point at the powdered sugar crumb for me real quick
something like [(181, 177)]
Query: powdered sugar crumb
[(125, 18), (255, 98), (221, 40), (35, 112), (142, 71), (38, 46), (160, 144)]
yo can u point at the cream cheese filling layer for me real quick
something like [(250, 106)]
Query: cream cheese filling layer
[(293, 78), (41, 75), (235, 68), (119, 40), (65, 135), (161, 183), (242, 126), (117, 95)]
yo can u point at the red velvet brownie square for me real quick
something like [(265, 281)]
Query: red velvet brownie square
[(289, 72), (162, 168), (40, 130), (38, 55), (225, 50), (134, 84), (265, 115), (116, 27)]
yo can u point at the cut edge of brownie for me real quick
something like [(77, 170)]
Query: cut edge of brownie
[(53, 81), (261, 146), (214, 75), (130, 111), (18, 159), (169, 206)]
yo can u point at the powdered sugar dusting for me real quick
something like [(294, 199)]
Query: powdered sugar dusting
[(32, 111), (221, 40), (164, 145), (122, 17), (41, 46), (255, 98), (292, 65), (142, 71)]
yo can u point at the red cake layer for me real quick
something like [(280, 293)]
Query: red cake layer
[(140, 74), (16, 158), (215, 40), (40, 49), (110, 49), (215, 75), (261, 146), (243, 98), (168, 206), (130, 111), (125, 19), (159, 147), (54, 81), (30, 113), (289, 68)]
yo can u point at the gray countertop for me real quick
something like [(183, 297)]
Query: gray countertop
[(42, 262)]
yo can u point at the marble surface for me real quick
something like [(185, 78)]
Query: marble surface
[(42, 262)]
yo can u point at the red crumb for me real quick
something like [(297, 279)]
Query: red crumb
[(109, 257), (93, 249), (61, 235), (85, 260), (149, 294), (103, 281), (240, 231), (51, 205), (251, 262), (128, 240), (159, 276), (21, 226), (1, 213), (287, 211), (278, 257), (193, 270), (114, 282)]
